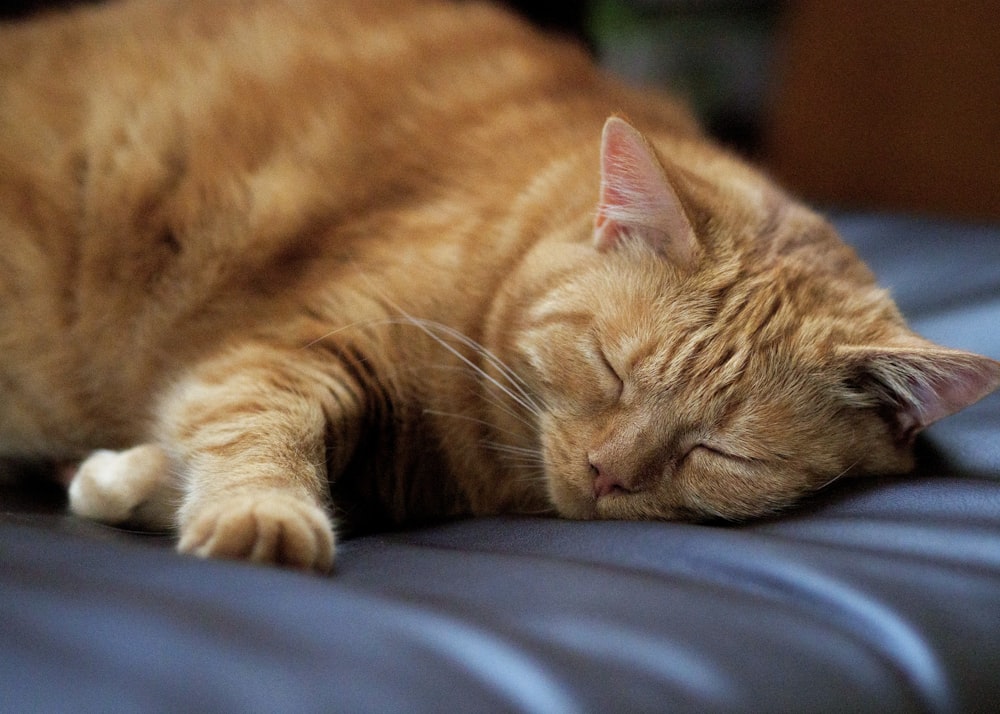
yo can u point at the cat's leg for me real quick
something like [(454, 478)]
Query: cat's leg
[(249, 433), (135, 487)]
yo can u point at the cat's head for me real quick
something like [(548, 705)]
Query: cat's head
[(720, 354)]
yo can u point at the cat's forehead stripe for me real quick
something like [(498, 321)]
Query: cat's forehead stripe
[(706, 360), (559, 315), (637, 349), (715, 353)]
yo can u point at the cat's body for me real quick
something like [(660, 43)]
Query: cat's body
[(386, 244)]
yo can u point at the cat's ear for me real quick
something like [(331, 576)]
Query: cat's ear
[(638, 200), (918, 382)]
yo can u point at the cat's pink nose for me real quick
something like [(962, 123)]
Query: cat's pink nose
[(605, 482)]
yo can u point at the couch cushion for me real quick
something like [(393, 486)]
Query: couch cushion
[(880, 595)]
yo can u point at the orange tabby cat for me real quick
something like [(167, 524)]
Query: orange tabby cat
[(280, 257)]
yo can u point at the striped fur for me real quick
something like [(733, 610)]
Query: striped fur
[(293, 261)]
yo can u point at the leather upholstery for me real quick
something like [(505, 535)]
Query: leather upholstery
[(881, 595)]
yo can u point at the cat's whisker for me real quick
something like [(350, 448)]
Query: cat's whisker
[(493, 400), (513, 456), (534, 478), (466, 417), (338, 330), (497, 403), (516, 381), (521, 396), (520, 463), (510, 449), (528, 461), (518, 390), (838, 476), (470, 369)]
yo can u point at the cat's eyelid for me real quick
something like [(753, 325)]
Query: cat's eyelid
[(602, 355), (724, 452), (607, 363), (713, 449)]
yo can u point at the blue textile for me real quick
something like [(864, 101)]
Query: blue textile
[(881, 595)]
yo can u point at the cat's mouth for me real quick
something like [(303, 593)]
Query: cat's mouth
[(592, 501)]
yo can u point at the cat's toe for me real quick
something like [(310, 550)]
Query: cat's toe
[(269, 527)]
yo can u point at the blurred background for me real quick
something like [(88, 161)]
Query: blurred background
[(852, 104)]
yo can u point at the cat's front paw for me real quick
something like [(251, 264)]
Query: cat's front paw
[(117, 487), (265, 527)]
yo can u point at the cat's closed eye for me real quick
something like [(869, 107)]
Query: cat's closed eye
[(719, 452), (611, 370)]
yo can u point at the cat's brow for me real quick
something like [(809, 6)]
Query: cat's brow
[(575, 318)]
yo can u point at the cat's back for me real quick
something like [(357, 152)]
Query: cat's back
[(374, 59), (168, 168), (174, 171), (239, 81), (232, 113), (74, 73), (172, 133)]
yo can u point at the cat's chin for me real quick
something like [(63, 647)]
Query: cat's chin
[(576, 504), (571, 503)]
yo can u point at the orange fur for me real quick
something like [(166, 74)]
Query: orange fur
[(381, 252)]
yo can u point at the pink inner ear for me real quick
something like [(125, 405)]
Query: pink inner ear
[(638, 200), (927, 382), (959, 383)]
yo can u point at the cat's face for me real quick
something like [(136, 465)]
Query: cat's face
[(720, 372), (665, 397)]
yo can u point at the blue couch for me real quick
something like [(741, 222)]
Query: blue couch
[(880, 595)]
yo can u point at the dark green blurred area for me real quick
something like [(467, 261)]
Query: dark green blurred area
[(717, 55)]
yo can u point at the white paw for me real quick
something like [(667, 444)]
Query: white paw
[(133, 486), (265, 527)]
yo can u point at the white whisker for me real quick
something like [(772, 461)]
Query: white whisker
[(495, 402), (509, 449), (516, 381), (337, 330), (501, 387), (519, 398), (489, 395), (516, 455), (522, 396), (838, 476), (466, 417)]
